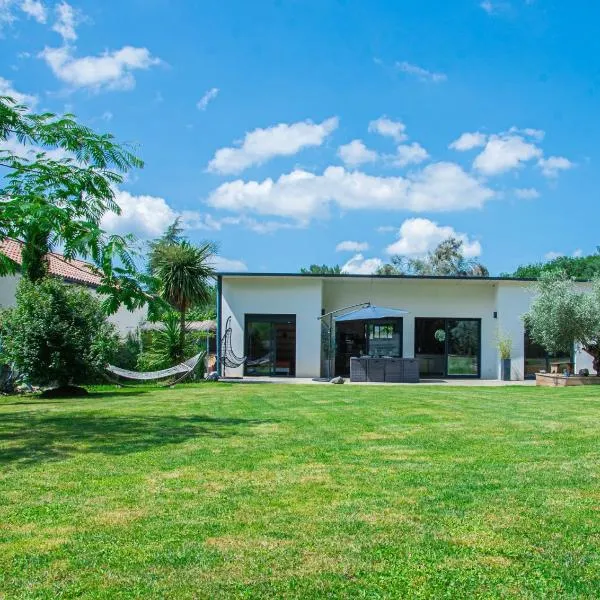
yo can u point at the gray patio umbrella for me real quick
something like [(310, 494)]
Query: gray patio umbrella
[(368, 313)]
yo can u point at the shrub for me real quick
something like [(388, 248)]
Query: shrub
[(57, 334), (128, 352)]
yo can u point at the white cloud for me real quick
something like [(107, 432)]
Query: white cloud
[(578, 253), (468, 141), (493, 7), (260, 145), (359, 265), (228, 265), (552, 165), (385, 229), (66, 19), (301, 195), (409, 154), (527, 193), (356, 153), (7, 89), (110, 70), (504, 152), (536, 134), (421, 73), (34, 9), (552, 255), (389, 128), (350, 246), (145, 216), (208, 97), (107, 116), (418, 236)]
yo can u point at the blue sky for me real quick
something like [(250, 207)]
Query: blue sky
[(302, 131)]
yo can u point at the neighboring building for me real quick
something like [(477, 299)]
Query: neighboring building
[(72, 271), (451, 326)]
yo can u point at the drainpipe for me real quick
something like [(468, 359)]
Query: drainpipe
[(219, 309)]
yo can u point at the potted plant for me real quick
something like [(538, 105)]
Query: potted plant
[(504, 345)]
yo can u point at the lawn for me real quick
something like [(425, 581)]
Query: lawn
[(271, 491)]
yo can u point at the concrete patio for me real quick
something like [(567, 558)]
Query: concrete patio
[(448, 382)]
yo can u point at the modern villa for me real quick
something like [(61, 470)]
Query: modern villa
[(282, 324)]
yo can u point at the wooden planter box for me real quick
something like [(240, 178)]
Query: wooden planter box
[(557, 380)]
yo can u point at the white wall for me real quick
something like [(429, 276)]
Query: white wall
[(424, 298), (269, 295), (126, 321)]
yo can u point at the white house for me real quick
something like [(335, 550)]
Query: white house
[(451, 325), (76, 272)]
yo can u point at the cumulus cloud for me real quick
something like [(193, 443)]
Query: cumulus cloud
[(110, 70), (418, 236), (359, 265), (504, 152), (7, 89), (208, 97), (228, 265), (468, 141), (420, 73), (34, 9), (356, 153), (29, 151), (527, 193), (66, 19), (389, 128), (552, 165), (302, 195), (260, 145), (409, 154), (552, 255), (350, 246)]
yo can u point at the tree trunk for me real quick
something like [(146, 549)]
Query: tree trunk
[(594, 351), (35, 249), (182, 335)]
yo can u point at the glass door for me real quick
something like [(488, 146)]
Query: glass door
[(463, 347), (448, 347), (270, 342)]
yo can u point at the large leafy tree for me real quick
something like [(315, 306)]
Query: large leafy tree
[(321, 270), (578, 267), (56, 334), (446, 259), (562, 315), (184, 274), (57, 181)]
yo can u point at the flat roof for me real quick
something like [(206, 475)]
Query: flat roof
[(357, 276)]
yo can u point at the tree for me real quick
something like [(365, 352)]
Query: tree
[(447, 259), (56, 334), (184, 273), (577, 267), (58, 181), (321, 270), (561, 315)]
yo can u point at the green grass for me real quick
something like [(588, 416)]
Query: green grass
[(271, 491)]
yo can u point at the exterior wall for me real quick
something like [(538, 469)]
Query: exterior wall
[(256, 295), (424, 298), (8, 289), (126, 321), (512, 302)]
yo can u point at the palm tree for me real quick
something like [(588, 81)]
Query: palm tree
[(184, 272)]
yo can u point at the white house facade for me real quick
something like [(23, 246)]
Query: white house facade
[(451, 325)]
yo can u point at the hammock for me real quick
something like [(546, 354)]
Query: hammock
[(229, 359), (183, 369)]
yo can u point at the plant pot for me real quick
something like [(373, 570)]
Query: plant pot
[(505, 369)]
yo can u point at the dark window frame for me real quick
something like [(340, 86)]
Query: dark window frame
[(271, 318), (446, 320)]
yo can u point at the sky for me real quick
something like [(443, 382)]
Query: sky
[(294, 132)]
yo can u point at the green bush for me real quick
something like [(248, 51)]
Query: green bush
[(57, 334), (128, 352)]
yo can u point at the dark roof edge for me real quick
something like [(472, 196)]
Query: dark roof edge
[(356, 276)]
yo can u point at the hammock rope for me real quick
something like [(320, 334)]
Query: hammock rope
[(184, 369)]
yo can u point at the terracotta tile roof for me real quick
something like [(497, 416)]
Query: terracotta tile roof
[(72, 270)]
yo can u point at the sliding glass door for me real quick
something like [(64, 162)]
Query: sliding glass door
[(270, 345), (448, 347)]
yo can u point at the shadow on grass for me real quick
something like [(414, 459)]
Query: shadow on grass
[(27, 438)]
